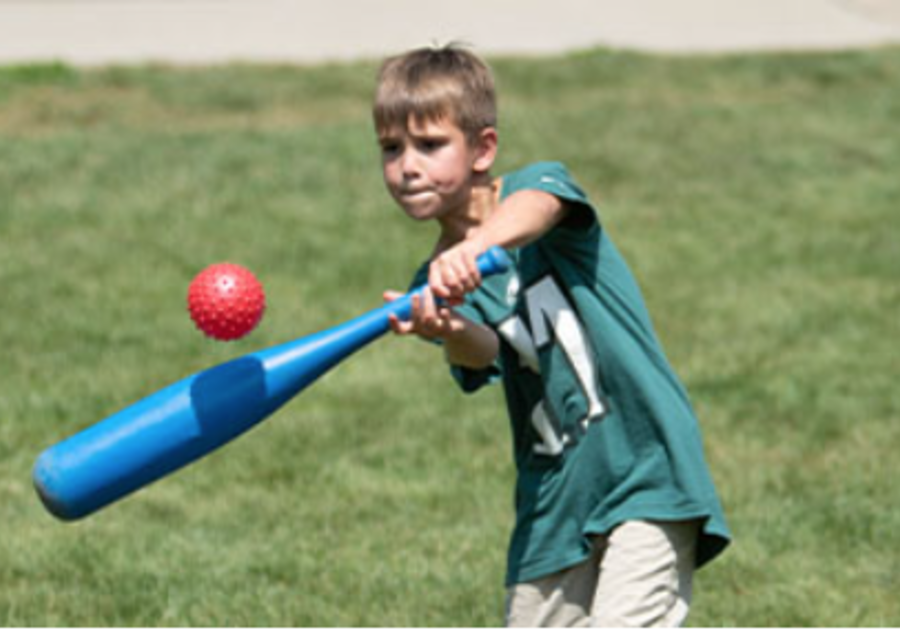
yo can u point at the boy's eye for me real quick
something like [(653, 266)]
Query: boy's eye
[(432, 144), (389, 147)]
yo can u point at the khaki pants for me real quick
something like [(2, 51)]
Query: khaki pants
[(637, 576)]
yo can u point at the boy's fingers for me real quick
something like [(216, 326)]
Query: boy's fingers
[(463, 275), (428, 305), (399, 327), (439, 278), (431, 323), (459, 277), (473, 274), (445, 314), (451, 275), (422, 318)]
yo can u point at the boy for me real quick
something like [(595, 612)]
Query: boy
[(615, 507)]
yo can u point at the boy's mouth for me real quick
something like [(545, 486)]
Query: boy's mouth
[(415, 193)]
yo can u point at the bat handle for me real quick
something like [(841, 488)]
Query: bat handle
[(491, 262)]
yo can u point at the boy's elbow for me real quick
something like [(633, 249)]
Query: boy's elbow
[(471, 359), (470, 363)]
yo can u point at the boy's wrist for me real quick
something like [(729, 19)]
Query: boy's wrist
[(480, 241), (453, 329)]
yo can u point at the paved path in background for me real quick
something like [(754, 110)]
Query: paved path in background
[(92, 32)]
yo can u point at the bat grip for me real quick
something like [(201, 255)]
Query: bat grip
[(491, 262)]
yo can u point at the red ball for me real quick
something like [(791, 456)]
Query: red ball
[(226, 301)]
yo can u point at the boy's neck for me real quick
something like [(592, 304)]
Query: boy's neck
[(457, 226)]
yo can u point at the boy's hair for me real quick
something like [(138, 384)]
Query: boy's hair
[(433, 83)]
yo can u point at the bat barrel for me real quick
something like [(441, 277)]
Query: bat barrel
[(125, 451)]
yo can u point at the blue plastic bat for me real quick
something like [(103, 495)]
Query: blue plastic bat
[(185, 421)]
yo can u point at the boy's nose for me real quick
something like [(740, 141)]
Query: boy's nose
[(409, 163)]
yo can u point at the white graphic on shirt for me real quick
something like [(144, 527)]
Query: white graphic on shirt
[(515, 333), (547, 304), (512, 290), (551, 444), (553, 320)]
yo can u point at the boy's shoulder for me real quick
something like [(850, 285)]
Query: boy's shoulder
[(553, 178), (535, 173)]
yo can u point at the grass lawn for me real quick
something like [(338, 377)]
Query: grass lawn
[(757, 199)]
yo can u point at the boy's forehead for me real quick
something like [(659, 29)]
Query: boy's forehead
[(420, 125)]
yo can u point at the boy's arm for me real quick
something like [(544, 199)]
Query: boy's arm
[(475, 346), (466, 343), (520, 219)]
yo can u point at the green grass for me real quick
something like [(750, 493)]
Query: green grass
[(756, 198)]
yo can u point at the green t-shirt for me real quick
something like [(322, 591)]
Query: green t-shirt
[(603, 431)]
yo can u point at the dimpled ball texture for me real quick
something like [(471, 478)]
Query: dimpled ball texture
[(226, 301)]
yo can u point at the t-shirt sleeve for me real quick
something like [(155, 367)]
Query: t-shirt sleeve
[(554, 178)]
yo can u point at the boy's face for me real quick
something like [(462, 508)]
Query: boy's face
[(429, 166)]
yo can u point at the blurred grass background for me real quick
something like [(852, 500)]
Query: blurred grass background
[(756, 197)]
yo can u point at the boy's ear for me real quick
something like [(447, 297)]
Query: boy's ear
[(485, 150)]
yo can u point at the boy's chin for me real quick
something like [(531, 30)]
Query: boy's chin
[(423, 213), (421, 216)]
